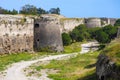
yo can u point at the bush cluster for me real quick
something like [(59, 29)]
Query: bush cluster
[(82, 33)]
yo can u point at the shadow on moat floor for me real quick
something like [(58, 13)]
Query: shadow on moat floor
[(89, 77)]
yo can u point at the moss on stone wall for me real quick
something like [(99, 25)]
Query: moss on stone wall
[(65, 19), (22, 21)]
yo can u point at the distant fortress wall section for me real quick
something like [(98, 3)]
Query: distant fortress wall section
[(16, 34), (47, 34), (93, 22), (107, 21), (68, 24), (112, 21)]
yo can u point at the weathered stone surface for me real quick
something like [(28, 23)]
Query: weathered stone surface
[(68, 24), (16, 34), (106, 69)]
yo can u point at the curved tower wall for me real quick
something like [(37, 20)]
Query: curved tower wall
[(47, 34), (93, 22)]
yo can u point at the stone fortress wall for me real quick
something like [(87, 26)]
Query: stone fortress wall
[(68, 24), (16, 34), (20, 33)]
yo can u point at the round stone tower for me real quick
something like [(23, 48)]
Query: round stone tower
[(47, 34), (93, 22)]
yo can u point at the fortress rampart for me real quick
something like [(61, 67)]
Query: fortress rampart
[(19, 33)]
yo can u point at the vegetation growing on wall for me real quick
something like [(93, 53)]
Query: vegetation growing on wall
[(65, 19), (23, 20)]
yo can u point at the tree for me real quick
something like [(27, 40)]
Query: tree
[(92, 31), (66, 39), (74, 34), (54, 11), (14, 12), (80, 33), (28, 9), (117, 23), (110, 30), (80, 37), (102, 37), (41, 11), (5, 11), (1, 10)]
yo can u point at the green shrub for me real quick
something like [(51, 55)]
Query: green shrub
[(102, 37), (80, 33), (66, 39), (117, 23)]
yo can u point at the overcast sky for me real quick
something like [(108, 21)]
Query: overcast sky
[(71, 8)]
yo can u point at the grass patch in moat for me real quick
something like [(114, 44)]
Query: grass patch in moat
[(76, 68), (74, 47)]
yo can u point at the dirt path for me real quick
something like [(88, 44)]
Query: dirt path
[(15, 72)]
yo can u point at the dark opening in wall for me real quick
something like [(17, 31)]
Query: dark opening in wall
[(85, 21), (36, 25), (102, 78), (38, 40)]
